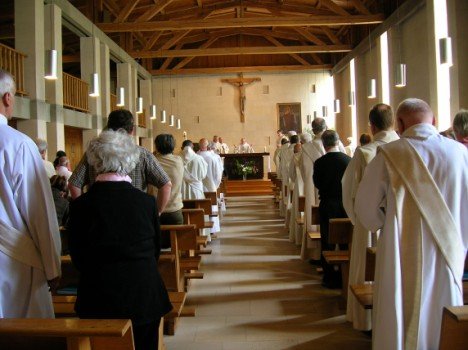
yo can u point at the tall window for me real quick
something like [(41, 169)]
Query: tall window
[(384, 68), (442, 71)]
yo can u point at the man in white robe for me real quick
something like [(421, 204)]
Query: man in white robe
[(29, 233), (381, 124), (195, 170), (415, 190), (215, 167), (310, 152), (285, 157), (244, 147), (42, 147), (224, 148), (295, 235)]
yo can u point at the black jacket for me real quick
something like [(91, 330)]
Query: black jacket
[(114, 243)]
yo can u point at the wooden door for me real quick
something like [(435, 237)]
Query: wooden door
[(73, 145)]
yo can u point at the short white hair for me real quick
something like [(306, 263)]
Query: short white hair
[(113, 152), (305, 137), (41, 145), (7, 83)]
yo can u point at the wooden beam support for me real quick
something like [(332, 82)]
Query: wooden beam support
[(187, 60), (168, 60), (231, 51), (334, 39), (199, 3), (126, 11), (360, 7), (293, 55), (148, 15), (221, 70), (175, 39), (242, 23), (334, 7), (153, 40), (309, 36)]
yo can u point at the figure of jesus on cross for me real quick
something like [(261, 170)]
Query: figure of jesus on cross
[(241, 83)]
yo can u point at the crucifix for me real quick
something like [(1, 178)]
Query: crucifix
[(241, 83)]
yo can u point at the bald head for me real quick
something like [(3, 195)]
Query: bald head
[(413, 111), (203, 144), (319, 125)]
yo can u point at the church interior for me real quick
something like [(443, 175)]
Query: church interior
[(238, 69)]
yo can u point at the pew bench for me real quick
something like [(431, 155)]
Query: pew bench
[(364, 294), (67, 333), (454, 328)]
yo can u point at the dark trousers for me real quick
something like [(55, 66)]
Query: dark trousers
[(146, 336), (174, 218), (329, 209)]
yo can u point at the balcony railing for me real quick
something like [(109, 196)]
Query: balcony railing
[(13, 62), (75, 93), (113, 102)]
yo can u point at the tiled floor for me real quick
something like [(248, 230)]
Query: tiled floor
[(258, 294)]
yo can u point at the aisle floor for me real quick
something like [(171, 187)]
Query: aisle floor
[(258, 294)]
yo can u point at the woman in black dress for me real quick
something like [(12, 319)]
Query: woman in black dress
[(114, 243)]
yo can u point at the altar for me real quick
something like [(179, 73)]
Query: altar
[(250, 164)]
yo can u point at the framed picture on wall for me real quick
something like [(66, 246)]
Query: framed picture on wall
[(289, 117)]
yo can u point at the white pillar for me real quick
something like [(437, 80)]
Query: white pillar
[(105, 81)]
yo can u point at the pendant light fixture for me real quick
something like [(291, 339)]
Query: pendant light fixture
[(315, 114), (372, 89), (139, 105), (94, 86), (172, 120), (325, 111), (51, 62), (400, 73), (351, 98), (163, 111), (445, 50), (153, 112), (51, 65), (120, 97), (178, 124), (337, 107), (163, 116)]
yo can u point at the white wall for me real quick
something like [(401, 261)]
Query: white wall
[(217, 104)]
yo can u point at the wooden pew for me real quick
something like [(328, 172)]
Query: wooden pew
[(197, 217), (340, 231), (300, 212), (454, 328), (70, 334), (315, 220), (204, 204)]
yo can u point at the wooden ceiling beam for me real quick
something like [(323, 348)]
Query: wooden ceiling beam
[(230, 51), (243, 22), (112, 7), (309, 36), (126, 11), (175, 39), (245, 69), (149, 14), (168, 60), (332, 36), (187, 60), (153, 40), (199, 3), (360, 7), (293, 55), (334, 7)]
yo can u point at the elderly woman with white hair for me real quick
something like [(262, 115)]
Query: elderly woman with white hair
[(115, 243)]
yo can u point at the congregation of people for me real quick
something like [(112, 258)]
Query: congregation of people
[(404, 188)]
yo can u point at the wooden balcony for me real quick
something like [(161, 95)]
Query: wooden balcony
[(75, 93), (13, 62), (113, 102)]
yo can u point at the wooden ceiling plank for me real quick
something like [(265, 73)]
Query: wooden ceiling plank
[(243, 22), (360, 7), (243, 69), (230, 51), (334, 39), (148, 15), (112, 7), (309, 36), (141, 39), (334, 7), (316, 58), (293, 55), (199, 3), (126, 11), (175, 39), (187, 60)]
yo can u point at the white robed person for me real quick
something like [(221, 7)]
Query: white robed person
[(285, 157), (195, 170), (415, 190), (29, 233), (215, 167), (311, 151), (381, 122), (245, 147)]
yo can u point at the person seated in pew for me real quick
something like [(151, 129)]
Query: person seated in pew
[(174, 168), (114, 242), (381, 122), (415, 190), (195, 170), (328, 172), (59, 188)]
